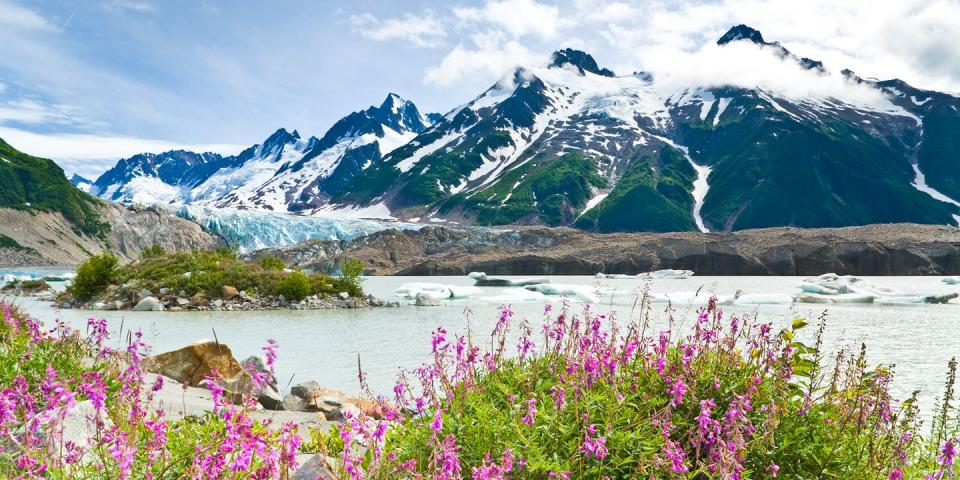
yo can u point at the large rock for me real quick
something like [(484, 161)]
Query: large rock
[(228, 292), (316, 468), (190, 365), (148, 304)]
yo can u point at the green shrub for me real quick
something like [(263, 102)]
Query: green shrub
[(271, 262), (294, 286), (351, 279), (153, 251), (93, 276)]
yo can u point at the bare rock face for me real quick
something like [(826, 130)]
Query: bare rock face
[(190, 365), (894, 249), (135, 228), (52, 240)]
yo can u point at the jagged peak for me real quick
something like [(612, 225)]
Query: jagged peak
[(393, 102), (282, 136), (580, 59), (742, 32)]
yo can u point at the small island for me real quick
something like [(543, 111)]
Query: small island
[(216, 280)]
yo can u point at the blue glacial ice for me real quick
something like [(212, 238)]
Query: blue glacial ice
[(252, 230)]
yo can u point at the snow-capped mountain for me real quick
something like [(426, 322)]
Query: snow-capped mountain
[(574, 143), (81, 182), (284, 173), (577, 144)]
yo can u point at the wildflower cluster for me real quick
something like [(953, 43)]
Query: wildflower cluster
[(51, 378), (596, 398)]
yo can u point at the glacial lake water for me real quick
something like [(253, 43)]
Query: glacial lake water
[(324, 345)]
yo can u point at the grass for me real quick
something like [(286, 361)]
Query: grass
[(7, 242), (206, 273), (37, 184)]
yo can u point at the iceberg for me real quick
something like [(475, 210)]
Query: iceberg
[(655, 275), (583, 293), (836, 298), (252, 230), (436, 291), (833, 284), (482, 280), (952, 280)]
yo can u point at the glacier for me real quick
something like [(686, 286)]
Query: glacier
[(251, 230)]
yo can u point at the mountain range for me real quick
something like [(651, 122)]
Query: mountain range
[(577, 144)]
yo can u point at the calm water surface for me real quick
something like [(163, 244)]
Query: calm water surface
[(324, 345)]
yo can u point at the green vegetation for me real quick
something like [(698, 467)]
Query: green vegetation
[(940, 149), (294, 286), (153, 251), (271, 262), (93, 276), (204, 273), (37, 184), (770, 169), (27, 286), (351, 275), (7, 242), (654, 195), (554, 189), (594, 398)]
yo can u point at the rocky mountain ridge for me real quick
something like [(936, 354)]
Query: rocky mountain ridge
[(896, 249)]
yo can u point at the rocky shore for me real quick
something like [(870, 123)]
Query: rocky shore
[(894, 249), (230, 299)]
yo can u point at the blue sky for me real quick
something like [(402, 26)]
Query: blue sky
[(87, 82)]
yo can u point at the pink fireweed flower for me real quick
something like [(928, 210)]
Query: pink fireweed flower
[(677, 390), (948, 451), (448, 460), (439, 339), (531, 412), (674, 454), (437, 424), (895, 474), (595, 447), (559, 396)]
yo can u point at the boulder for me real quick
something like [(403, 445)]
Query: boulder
[(144, 293), (183, 302), (293, 403), (190, 365), (148, 304), (316, 468), (228, 292), (303, 389), (198, 300), (269, 398), (164, 291), (344, 295)]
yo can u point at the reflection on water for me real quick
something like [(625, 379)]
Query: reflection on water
[(324, 345)]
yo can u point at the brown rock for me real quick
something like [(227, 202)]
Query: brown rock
[(191, 364), (228, 292)]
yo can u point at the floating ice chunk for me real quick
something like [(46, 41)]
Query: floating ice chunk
[(658, 274), (482, 280), (833, 284), (917, 299), (838, 298), (583, 293), (763, 299), (952, 280), (515, 295), (435, 291)]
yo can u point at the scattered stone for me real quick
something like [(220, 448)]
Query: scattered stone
[(99, 305), (344, 295), (149, 304), (144, 293), (164, 291), (183, 302)]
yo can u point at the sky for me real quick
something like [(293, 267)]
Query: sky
[(87, 82)]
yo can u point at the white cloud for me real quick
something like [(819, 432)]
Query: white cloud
[(136, 6), (18, 18), (32, 111), (91, 154), (420, 30), (490, 59), (517, 17)]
